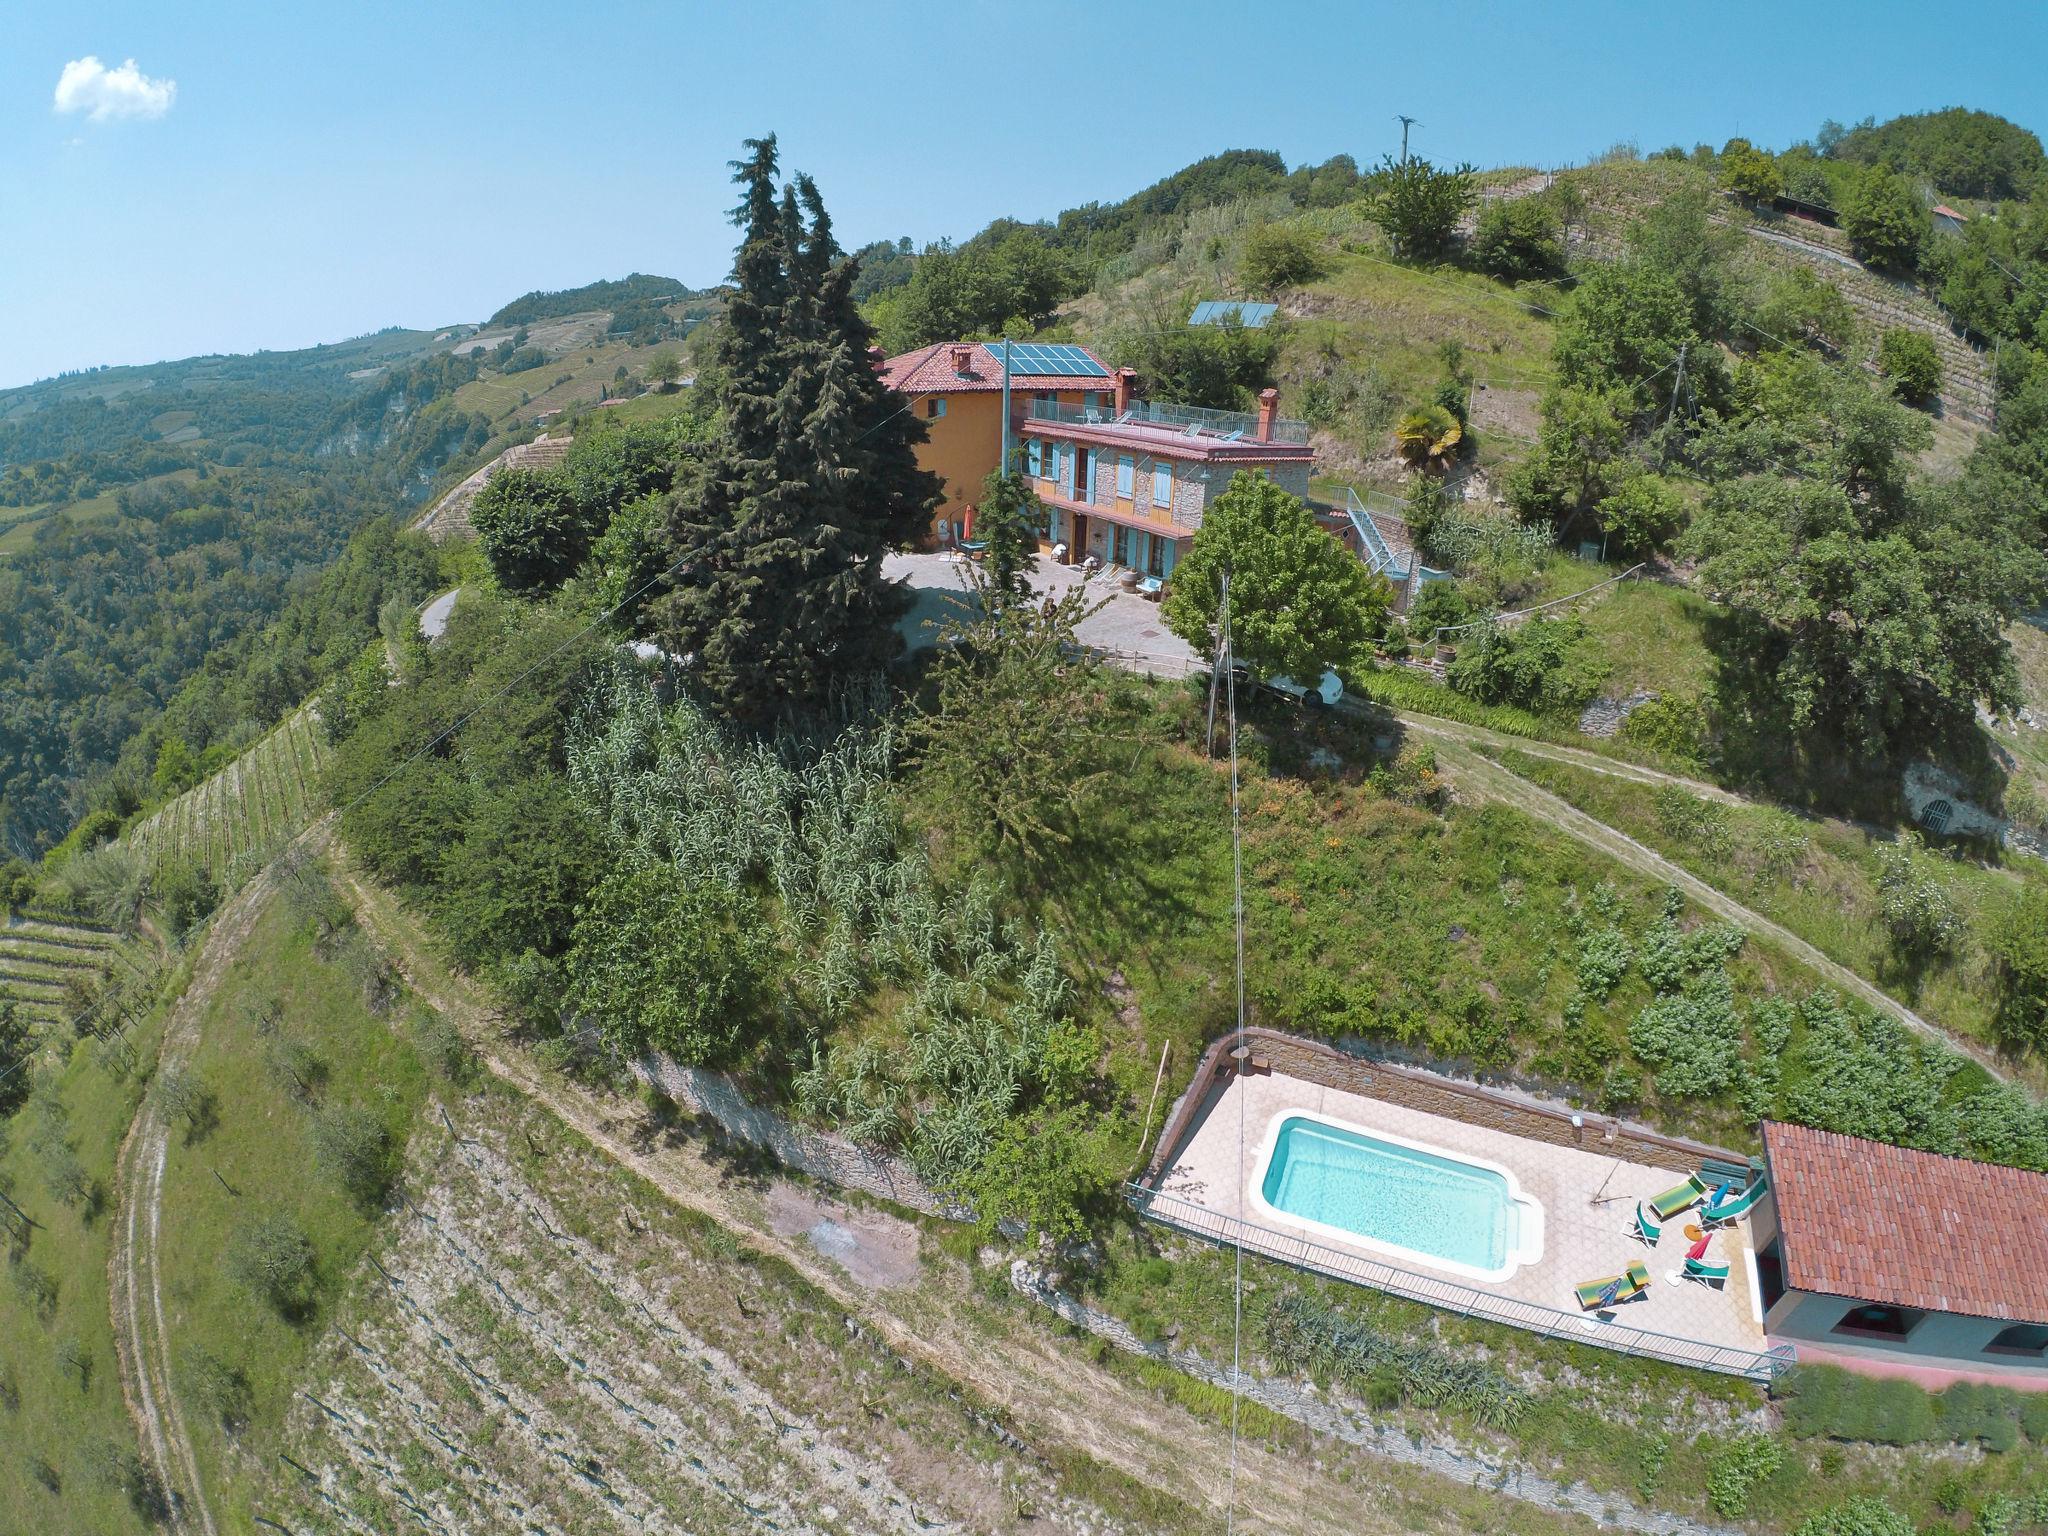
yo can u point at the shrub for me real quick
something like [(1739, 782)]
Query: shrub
[(1604, 958), (1544, 665), (271, 1257), (354, 1146), (1516, 240), (1693, 1038), (1857, 1517), (1672, 723), (1909, 360), (1919, 907), (1737, 1470), (1685, 818), (1279, 256), (185, 896), (2018, 942)]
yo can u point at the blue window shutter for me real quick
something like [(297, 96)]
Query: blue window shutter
[(1125, 470), (1034, 457), (1162, 485)]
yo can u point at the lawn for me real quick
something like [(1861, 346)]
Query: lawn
[(59, 1421), (258, 1157)]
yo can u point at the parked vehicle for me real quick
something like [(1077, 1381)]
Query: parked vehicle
[(1324, 695)]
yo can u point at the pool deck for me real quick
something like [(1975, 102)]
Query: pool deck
[(1582, 1241)]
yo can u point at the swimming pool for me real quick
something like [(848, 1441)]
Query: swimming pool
[(1414, 1204)]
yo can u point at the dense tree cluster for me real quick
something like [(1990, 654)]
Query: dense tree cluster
[(776, 589), (1963, 153)]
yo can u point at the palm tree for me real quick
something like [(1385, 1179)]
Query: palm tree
[(1428, 437)]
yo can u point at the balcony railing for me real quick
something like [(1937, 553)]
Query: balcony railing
[(1198, 421), (1216, 1227)]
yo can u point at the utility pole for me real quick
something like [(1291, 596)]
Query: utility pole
[(1406, 123), (1006, 405), (1670, 416)]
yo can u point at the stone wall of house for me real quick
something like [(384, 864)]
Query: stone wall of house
[(820, 1154), (1192, 494), (1413, 1088)]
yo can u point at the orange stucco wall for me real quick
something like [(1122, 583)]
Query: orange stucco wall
[(964, 445)]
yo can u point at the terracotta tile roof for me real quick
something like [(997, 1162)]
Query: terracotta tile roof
[(929, 371), (1908, 1229)]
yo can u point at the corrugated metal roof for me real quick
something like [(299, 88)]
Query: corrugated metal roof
[(1217, 311)]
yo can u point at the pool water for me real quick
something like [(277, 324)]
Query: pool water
[(1432, 1206)]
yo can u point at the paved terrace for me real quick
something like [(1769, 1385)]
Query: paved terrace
[(1203, 1189), (1124, 624)]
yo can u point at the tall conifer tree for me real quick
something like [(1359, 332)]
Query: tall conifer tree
[(778, 589)]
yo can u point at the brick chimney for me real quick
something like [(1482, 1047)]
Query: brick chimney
[(963, 361), (1269, 408), (876, 359), (1126, 381)]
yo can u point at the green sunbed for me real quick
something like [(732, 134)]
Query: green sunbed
[(1598, 1295), (1645, 1226), (1739, 1205), (1672, 1201), (1705, 1273)]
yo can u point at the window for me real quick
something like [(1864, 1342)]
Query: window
[(1881, 1323), (1162, 485), (1091, 400), (2029, 1339), (934, 408), (1155, 557), (1034, 457), (1126, 475), (1120, 546)]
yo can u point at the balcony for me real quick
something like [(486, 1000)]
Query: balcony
[(1192, 421)]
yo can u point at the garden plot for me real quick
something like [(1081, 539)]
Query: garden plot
[(258, 801), (546, 1349)]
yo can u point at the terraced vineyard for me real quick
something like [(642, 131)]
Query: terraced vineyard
[(50, 964), (262, 798)]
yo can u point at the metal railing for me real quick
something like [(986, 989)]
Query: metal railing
[(1216, 1227), (1239, 426)]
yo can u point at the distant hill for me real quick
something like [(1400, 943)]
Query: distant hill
[(607, 293), (1963, 153)]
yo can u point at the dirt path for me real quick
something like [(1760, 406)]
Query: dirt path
[(1438, 729), (1486, 779), (141, 1342), (1042, 1388)]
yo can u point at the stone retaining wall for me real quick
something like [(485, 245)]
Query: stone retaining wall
[(821, 1154), (1431, 1093)]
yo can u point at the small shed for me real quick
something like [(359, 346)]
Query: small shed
[(1868, 1253), (1949, 221)]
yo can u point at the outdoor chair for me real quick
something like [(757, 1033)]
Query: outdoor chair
[(1725, 1211), (1599, 1295), (1645, 1226), (1672, 1201), (1700, 1270)]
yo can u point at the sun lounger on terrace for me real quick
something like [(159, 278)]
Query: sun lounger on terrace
[(1702, 1271), (1599, 1295), (1672, 1201), (1728, 1210), (1645, 1226)]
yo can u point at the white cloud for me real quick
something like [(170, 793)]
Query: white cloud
[(105, 95)]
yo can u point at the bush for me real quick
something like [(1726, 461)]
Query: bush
[(1737, 1470), (1543, 665), (185, 896), (1672, 723), (354, 1146), (1910, 361), (1693, 1038), (2018, 942), (1919, 906), (1279, 256), (271, 1257), (1516, 241), (1857, 1517)]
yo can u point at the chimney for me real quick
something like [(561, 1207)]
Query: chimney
[(963, 360), (876, 360), (1269, 407), (1126, 381)]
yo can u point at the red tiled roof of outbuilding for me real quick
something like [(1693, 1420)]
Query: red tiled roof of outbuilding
[(1888, 1224)]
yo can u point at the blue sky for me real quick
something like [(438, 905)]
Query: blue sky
[(323, 171)]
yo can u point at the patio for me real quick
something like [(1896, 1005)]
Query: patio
[(1205, 1189)]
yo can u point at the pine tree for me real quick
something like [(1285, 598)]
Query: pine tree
[(778, 590)]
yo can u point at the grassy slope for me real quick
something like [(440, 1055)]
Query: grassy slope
[(53, 1417), (1815, 875), (262, 1147), (1444, 934)]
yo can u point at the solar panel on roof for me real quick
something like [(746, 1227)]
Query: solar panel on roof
[(1043, 357)]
